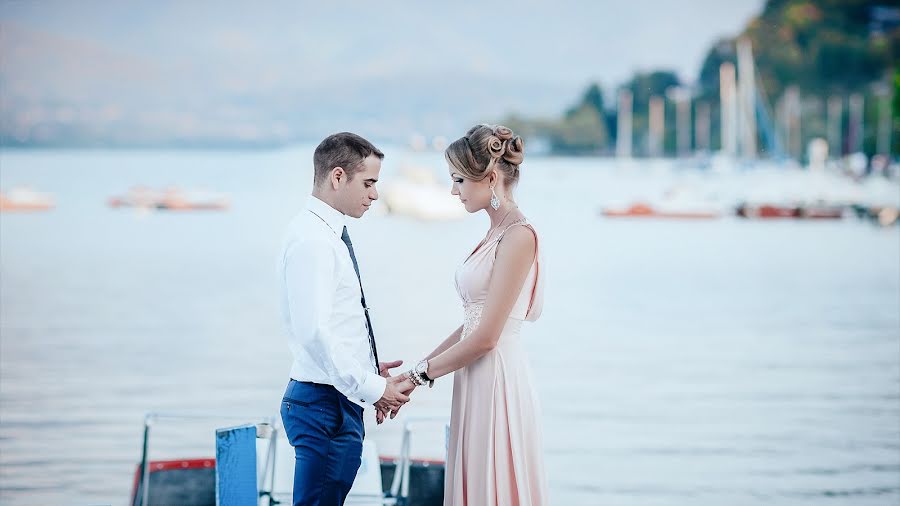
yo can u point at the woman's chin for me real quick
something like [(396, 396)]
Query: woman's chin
[(469, 207)]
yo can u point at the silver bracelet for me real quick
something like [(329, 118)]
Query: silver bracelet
[(415, 378)]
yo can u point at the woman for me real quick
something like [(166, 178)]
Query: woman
[(495, 455)]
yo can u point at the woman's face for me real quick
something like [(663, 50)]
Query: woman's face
[(475, 195)]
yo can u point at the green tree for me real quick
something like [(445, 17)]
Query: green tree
[(895, 115), (643, 86), (583, 131), (824, 47), (593, 97)]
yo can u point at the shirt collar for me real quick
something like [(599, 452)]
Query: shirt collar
[(331, 216)]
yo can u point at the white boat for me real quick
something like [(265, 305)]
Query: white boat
[(679, 202), (24, 199), (418, 194), (171, 199)]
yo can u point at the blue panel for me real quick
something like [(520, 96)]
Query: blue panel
[(236, 466)]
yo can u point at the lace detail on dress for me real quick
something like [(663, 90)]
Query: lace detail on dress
[(473, 313)]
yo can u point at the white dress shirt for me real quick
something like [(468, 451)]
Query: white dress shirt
[(325, 321)]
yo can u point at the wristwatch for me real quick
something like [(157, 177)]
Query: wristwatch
[(422, 370)]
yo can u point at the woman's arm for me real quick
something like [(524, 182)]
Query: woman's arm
[(450, 341), (515, 256), (407, 386)]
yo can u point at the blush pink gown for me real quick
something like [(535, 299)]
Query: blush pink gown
[(495, 454)]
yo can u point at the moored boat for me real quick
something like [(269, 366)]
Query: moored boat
[(417, 194), (817, 211), (641, 210), (767, 211), (194, 481), (23, 199), (170, 199)]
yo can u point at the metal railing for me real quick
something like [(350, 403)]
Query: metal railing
[(399, 491)]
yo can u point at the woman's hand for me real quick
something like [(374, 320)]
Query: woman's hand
[(405, 385)]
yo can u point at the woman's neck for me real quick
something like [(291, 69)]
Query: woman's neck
[(506, 213)]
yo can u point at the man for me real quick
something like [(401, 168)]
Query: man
[(336, 370)]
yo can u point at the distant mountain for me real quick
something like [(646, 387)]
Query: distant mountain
[(60, 91)]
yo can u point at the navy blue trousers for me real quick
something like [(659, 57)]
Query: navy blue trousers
[(326, 431)]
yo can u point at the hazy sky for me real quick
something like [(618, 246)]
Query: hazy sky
[(381, 67), (558, 41)]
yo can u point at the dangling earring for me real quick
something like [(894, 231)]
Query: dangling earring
[(495, 202)]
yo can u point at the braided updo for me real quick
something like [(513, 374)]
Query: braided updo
[(484, 148)]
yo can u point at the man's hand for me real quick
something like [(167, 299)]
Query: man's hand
[(392, 399), (406, 386), (384, 368)]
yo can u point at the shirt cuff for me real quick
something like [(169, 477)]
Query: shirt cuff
[(372, 389)]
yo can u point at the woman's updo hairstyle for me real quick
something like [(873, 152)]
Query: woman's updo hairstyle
[(485, 148)]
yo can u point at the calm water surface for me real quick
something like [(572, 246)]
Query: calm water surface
[(706, 363)]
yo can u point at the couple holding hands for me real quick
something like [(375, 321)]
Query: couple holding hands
[(495, 447)]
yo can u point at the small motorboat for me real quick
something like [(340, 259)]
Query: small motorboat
[(170, 199), (418, 194), (23, 199), (678, 202), (767, 211), (194, 481), (642, 210), (822, 212), (815, 211)]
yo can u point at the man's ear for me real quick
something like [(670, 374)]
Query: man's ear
[(337, 175)]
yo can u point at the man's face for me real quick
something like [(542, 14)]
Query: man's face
[(357, 194)]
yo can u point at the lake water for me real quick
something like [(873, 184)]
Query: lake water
[(703, 363)]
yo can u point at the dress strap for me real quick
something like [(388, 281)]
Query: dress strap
[(522, 221)]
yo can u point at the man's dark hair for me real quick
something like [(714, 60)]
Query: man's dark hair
[(346, 150)]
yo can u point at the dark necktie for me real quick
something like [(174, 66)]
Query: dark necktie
[(346, 238)]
